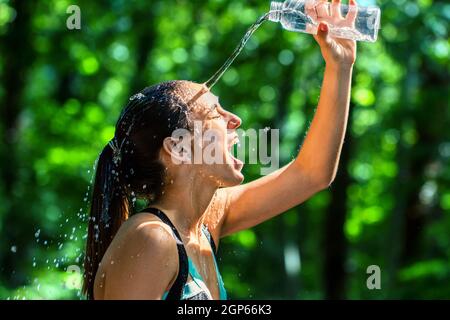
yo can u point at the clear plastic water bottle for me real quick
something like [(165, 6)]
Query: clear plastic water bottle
[(354, 22)]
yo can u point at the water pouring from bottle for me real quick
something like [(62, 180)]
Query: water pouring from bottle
[(351, 22)]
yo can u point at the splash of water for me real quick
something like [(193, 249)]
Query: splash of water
[(219, 73)]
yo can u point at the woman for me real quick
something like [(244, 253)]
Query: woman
[(168, 250)]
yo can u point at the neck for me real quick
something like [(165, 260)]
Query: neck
[(185, 200)]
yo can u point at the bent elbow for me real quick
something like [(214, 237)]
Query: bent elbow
[(325, 181)]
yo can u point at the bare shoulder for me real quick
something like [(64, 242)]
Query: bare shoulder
[(142, 261), (149, 233)]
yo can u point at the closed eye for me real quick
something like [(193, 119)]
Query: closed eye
[(213, 113)]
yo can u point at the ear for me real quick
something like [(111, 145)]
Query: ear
[(178, 148)]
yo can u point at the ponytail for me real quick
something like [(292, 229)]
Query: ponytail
[(109, 209)]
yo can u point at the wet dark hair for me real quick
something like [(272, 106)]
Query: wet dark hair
[(129, 166)]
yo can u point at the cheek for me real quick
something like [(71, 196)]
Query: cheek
[(216, 135), (214, 149)]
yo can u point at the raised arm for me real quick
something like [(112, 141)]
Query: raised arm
[(316, 165)]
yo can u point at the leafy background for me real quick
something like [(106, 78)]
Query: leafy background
[(62, 91)]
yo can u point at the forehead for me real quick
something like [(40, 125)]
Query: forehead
[(208, 99), (200, 99)]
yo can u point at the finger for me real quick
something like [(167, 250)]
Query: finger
[(310, 10), (322, 34), (322, 8), (336, 9), (352, 11)]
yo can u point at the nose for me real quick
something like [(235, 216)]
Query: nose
[(234, 121)]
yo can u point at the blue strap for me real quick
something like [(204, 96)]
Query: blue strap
[(186, 266), (222, 291)]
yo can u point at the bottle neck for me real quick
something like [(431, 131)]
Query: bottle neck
[(275, 11)]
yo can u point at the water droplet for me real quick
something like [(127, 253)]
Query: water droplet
[(137, 96), (38, 232), (14, 249)]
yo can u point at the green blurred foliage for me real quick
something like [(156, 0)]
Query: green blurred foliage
[(62, 91)]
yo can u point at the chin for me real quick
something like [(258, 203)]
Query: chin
[(230, 173), (235, 167), (237, 180), (233, 178)]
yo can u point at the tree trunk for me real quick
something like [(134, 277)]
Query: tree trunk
[(335, 249), (17, 55), (291, 282), (146, 35)]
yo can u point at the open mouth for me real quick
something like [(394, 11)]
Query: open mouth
[(232, 142)]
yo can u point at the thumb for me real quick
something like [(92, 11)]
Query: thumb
[(322, 34)]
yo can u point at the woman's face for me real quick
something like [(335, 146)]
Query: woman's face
[(219, 135)]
